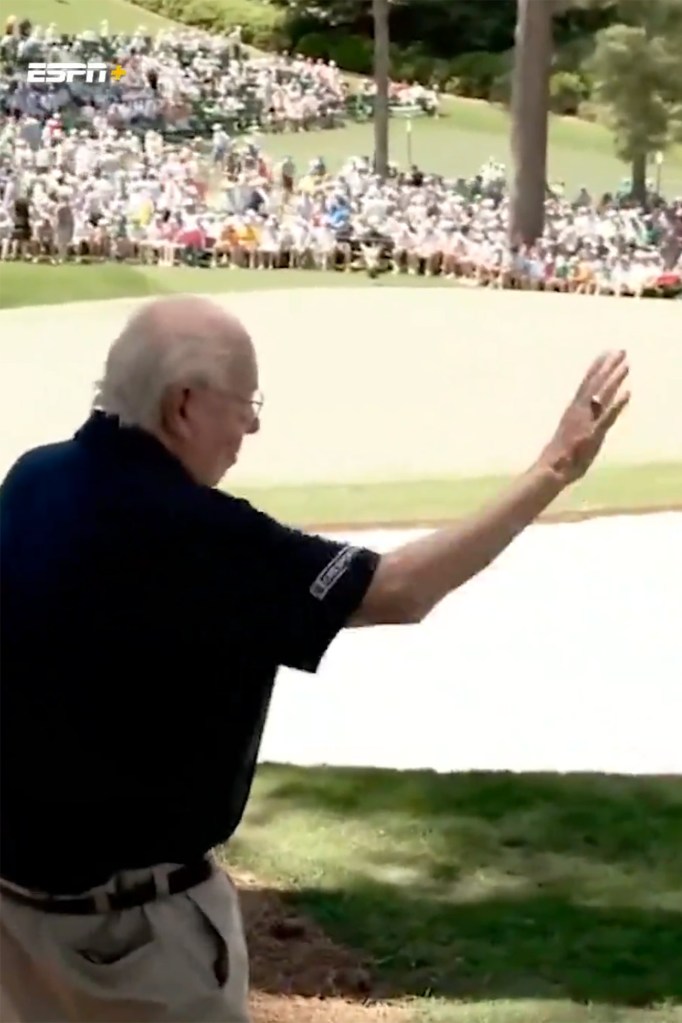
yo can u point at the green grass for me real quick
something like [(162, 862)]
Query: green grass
[(77, 15), (485, 898), (25, 284), (606, 488), (457, 144)]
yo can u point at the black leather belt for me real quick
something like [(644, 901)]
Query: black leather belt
[(176, 881)]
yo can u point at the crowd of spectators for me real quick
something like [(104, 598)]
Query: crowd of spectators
[(182, 81), (123, 172)]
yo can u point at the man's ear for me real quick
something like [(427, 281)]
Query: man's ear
[(174, 411)]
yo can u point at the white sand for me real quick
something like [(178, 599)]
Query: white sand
[(565, 655), (380, 383)]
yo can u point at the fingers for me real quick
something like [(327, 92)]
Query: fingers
[(599, 372), (613, 413), (584, 389), (610, 389), (613, 365)]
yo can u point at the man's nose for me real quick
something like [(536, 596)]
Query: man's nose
[(254, 426)]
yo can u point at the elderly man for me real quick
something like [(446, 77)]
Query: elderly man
[(144, 617)]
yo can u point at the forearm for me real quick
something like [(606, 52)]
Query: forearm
[(414, 578)]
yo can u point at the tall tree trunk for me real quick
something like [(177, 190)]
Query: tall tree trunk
[(638, 175), (530, 106), (382, 67)]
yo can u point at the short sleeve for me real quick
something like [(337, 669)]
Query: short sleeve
[(305, 588)]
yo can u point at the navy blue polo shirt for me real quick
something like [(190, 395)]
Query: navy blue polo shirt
[(143, 620)]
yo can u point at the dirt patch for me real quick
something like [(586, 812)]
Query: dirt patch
[(280, 1009), (298, 974)]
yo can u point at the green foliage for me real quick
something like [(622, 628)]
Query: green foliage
[(445, 28), (501, 89), (262, 23), (197, 12), (155, 6), (315, 45), (574, 55), (589, 111), (415, 64), (638, 79), (332, 13), (566, 92), (477, 72), (353, 53)]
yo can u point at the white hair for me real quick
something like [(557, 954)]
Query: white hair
[(145, 360)]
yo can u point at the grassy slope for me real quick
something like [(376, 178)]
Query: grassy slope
[(78, 15), (458, 143)]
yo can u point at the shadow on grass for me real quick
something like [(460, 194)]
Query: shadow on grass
[(481, 886)]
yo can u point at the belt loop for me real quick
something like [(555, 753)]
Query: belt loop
[(101, 900), (160, 881)]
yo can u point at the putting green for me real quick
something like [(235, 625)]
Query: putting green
[(390, 386)]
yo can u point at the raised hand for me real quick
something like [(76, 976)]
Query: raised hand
[(594, 410)]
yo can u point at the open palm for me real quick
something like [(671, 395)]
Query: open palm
[(595, 408)]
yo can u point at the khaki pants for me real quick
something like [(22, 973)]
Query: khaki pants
[(180, 959)]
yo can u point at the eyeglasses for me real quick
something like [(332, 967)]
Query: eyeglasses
[(256, 403)]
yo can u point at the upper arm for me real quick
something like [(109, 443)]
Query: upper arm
[(303, 589), (384, 602)]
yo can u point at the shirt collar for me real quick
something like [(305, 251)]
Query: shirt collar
[(104, 432)]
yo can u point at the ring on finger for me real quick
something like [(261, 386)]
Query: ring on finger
[(596, 406)]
